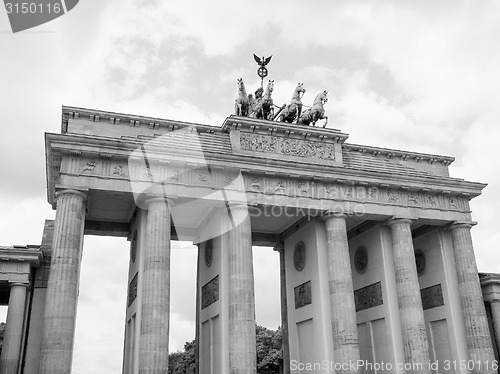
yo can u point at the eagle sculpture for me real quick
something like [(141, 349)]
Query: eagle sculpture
[(262, 61)]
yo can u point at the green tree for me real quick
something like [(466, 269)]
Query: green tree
[(269, 354), (183, 362)]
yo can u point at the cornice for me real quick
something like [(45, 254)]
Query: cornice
[(254, 125), (83, 146), (489, 278), (247, 124), (394, 153), (122, 119), (31, 254), (113, 146)]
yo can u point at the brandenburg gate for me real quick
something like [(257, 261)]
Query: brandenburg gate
[(376, 259)]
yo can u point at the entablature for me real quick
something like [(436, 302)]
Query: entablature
[(112, 160), (93, 122), (16, 262), (295, 161)]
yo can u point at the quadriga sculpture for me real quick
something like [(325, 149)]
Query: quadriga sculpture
[(241, 104), (292, 111), (316, 112), (262, 106)]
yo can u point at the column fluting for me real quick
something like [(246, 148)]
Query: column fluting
[(242, 340), (62, 288), (495, 315), (13, 334), (280, 248), (343, 310), (155, 306), (416, 345), (476, 324)]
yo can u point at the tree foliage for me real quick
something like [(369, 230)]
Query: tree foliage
[(269, 354), (183, 362)]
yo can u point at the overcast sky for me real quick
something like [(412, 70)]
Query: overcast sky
[(421, 76)]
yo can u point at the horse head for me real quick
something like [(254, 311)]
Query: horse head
[(241, 87), (270, 86), (298, 90), (269, 91), (321, 98)]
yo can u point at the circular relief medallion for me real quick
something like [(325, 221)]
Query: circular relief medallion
[(299, 256), (420, 261), (208, 253), (133, 246), (361, 260)]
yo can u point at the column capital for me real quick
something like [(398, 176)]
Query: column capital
[(280, 247), (334, 214), (69, 191), (397, 220), (21, 284), (461, 224), (153, 199)]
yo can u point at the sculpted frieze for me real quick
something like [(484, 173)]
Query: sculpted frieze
[(296, 187), (118, 171), (89, 166), (270, 184), (287, 146)]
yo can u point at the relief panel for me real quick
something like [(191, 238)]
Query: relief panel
[(368, 297), (432, 297), (303, 295), (287, 146), (210, 292)]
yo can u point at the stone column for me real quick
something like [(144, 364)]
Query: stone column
[(343, 310), (197, 316), (495, 315), (416, 346), (476, 323), (13, 334), (284, 309), (242, 341), (62, 288), (155, 307)]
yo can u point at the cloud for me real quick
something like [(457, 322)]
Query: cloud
[(267, 287), (420, 76), (101, 307), (478, 163), (22, 219)]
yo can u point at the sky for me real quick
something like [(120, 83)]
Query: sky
[(420, 76)]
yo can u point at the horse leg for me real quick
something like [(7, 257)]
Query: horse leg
[(299, 112), (326, 121)]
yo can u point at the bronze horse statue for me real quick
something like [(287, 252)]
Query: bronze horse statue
[(241, 104), (316, 112), (262, 106), (292, 111)]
